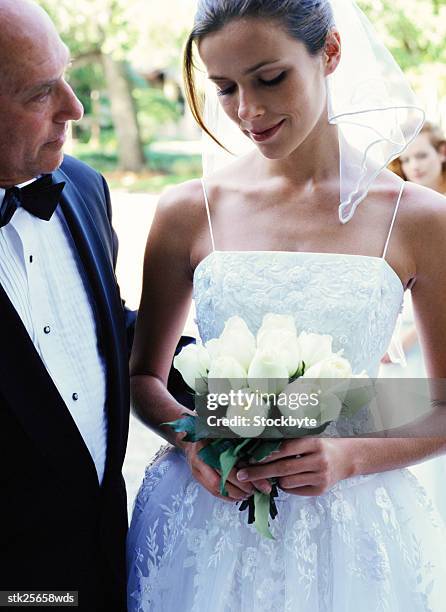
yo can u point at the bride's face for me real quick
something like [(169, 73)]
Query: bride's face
[(267, 83)]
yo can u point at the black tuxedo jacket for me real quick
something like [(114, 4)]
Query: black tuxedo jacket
[(60, 530)]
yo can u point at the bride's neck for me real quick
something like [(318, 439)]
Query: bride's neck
[(314, 162)]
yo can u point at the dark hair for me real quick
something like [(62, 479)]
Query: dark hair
[(308, 21), (437, 140)]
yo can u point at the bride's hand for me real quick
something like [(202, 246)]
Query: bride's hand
[(210, 478), (304, 466)]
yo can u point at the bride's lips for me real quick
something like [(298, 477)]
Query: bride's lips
[(266, 134)]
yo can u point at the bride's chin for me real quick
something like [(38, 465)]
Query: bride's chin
[(274, 154)]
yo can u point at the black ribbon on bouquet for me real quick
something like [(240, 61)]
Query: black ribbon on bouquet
[(249, 504)]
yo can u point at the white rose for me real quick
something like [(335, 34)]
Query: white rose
[(251, 406), (304, 398), (213, 348), (333, 367), (193, 363), (275, 322), (330, 407), (314, 348), (302, 392), (284, 343), (235, 341), (225, 374), (268, 372)]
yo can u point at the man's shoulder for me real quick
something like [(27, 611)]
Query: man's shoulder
[(77, 170)]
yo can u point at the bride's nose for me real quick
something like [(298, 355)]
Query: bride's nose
[(249, 107)]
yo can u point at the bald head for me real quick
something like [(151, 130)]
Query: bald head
[(25, 26), (36, 102), (22, 13)]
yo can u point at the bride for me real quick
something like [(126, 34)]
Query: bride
[(306, 222)]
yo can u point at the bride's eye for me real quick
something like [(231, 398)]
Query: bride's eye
[(226, 91), (271, 83)]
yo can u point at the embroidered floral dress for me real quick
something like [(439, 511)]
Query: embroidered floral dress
[(372, 543)]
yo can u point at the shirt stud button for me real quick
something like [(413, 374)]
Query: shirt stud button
[(75, 397), (47, 329)]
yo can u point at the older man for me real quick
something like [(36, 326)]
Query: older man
[(63, 364)]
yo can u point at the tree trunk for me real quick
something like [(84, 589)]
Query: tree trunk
[(95, 139), (130, 152)]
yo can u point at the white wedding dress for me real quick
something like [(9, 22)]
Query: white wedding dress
[(372, 543)]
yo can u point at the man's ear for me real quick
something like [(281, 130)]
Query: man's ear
[(442, 151), (332, 51)]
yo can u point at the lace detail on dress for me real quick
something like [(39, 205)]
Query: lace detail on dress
[(152, 476), (196, 543), (307, 286)]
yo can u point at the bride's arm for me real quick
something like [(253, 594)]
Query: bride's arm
[(165, 303), (322, 461)]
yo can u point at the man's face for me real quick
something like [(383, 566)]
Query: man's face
[(36, 104)]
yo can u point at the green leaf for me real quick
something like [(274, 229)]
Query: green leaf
[(264, 449), (210, 454), (261, 505), (185, 424), (227, 461), (242, 445)]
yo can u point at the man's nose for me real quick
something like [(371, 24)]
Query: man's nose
[(71, 108)]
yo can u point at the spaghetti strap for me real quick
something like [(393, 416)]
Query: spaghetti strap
[(208, 213), (393, 219)]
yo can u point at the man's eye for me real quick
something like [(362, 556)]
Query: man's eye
[(42, 95), (271, 83), (226, 91)]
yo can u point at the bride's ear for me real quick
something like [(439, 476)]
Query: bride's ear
[(332, 52)]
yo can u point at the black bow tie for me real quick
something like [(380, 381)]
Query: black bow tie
[(40, 198)]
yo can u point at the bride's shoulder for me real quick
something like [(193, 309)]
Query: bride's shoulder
[(424, 204), (182, 204), (419, 206), (422, 215), (188, 194), (420, 224)]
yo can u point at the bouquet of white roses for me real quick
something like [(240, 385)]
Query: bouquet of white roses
[(253, 391)]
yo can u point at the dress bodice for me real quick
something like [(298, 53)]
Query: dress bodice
[(354, 298)]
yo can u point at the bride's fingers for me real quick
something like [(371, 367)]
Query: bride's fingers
[(235, 493), (210, 479), (308, 479), (246, 487), (282, 467), (292, 447), (306, 491), (259, 485)]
